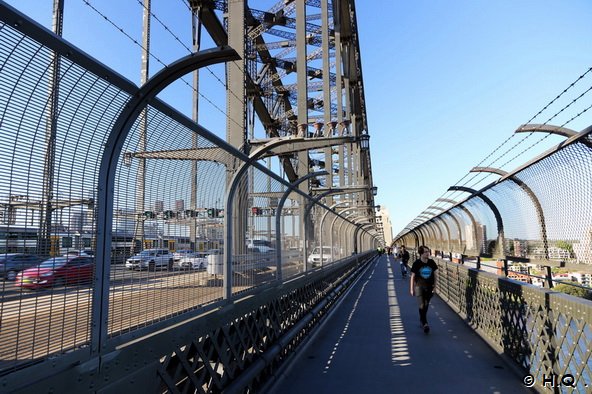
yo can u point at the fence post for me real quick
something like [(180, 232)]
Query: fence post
[(549, 276)]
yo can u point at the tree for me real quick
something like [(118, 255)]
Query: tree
[(491, 246), (565, 246), (575, 291)]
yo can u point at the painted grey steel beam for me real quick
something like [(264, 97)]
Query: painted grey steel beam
[(301, 64), (284, 145), (265, 148), (219, 35), (49, 165), (143, 126), (214, 154), (346, 189), (236, 76), (327, 99), (546, 128)]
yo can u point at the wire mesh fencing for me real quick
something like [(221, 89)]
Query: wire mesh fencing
[(541, 212), (168, 256)]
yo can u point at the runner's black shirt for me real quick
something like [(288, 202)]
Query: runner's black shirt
[(424, 272)]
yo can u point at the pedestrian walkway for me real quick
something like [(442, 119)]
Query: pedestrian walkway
[(373, 343)]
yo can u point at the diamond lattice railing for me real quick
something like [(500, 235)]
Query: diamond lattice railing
[(542, 331)]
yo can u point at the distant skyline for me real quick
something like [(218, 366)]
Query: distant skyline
[(445, 82)]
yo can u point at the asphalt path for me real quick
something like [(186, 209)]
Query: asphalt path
[(373, 343)]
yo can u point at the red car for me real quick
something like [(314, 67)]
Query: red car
[(57, 271)]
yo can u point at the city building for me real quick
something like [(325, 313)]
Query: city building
[(583, 278), (583, 249), (520, 248), (476, 242), (386, 225)]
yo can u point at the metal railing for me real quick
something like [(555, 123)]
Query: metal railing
[(543, 333), (93, 163)]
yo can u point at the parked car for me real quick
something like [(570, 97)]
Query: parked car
[(181, 253), (13, 263), (194, 260), (314, 258), (57, 271), (258, 247), (81, 253), (150, 259)]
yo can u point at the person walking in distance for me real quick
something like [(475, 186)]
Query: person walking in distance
[(404, 254), (422, 283)]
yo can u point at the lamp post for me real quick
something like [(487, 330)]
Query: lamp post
[(364, 141)]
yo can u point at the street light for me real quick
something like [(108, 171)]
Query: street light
[(364, 140), (374, 190)]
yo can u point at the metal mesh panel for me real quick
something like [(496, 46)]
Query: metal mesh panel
[(330, 246), (567, 173), (444, 231), (163, 241), (522, 231), (47, 199), (545, 209), (166, 264), (293, 261), (254, 258), (455, 232), (484, 233), (466, 229)]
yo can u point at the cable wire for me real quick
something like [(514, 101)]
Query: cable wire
[(481, 176), (121, 30)]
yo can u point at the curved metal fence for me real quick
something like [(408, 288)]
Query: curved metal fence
[(539, 213), (136, 234)]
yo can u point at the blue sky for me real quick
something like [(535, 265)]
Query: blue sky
[(446, 82)]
